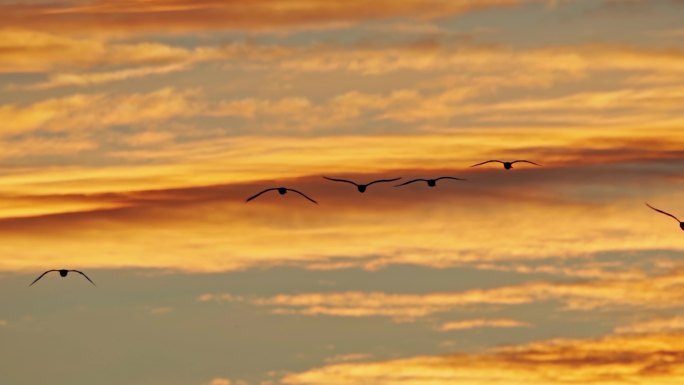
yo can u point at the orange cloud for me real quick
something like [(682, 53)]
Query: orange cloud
[(250, 158), (192, 194), (414, 224), (183, 15), (615, 360)]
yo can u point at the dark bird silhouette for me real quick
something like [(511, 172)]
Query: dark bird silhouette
[(430, 182), (281, 191), (362, 187), (681, 224), (507, 165), (63, 273)]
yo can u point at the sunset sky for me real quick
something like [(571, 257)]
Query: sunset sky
[(132, 131)]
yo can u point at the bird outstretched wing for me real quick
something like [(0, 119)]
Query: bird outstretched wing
[(265, 191), (525, 161), (449, 177), (489, 161), (663, 212), (411, 181), (83, 274), (383, 180), (41, 276), (302, 194), (341, 180)]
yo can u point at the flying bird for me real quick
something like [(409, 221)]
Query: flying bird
[(430, 182), (281, 191), (63, 273), (507, 165), (362, 187), (681, 224)]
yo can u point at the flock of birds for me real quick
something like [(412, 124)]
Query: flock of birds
[(362, 188)]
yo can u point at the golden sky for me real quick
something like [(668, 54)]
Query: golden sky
[(133, 131)]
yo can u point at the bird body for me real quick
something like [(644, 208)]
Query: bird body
[(281, 191), (506, 165), (63, 273), (361, 187), (430, 182)]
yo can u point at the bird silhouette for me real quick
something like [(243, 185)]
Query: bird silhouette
[(430, 182), (362, 187), (681, 224), (507, 165), (281, 191), (63, 273)]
